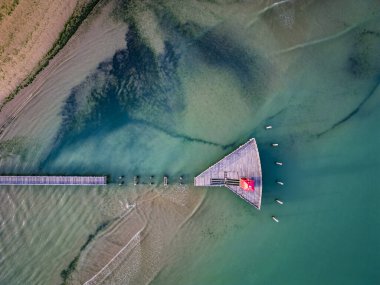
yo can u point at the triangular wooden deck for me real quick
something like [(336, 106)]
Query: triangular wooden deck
[(243, 162)]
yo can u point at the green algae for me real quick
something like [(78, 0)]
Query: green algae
[(71, 26), (14, 147), (66, 273)]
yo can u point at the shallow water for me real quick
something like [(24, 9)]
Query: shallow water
[(187, 84)]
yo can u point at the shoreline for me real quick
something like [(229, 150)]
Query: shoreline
[(11, 105)]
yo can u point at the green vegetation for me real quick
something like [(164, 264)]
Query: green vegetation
[(66, 273), (92, 236), (7, 8), (71, 26), (13, 147)]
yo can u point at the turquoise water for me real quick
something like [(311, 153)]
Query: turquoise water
[(328, 230), (192, 82)]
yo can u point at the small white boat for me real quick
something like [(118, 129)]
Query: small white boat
[(280, 183), (274, 218), (275, 144), (279, 201), (279, 163), (268, 127)]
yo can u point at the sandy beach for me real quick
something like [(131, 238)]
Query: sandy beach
[(96, 39), (28, 29)]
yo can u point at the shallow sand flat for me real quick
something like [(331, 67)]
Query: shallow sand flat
[(34, 107), (133, 249), (27, 32)]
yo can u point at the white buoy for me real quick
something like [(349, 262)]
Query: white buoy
[(278, 163), (279, 201), (280, 183), (275, 219), (274, 144), (268, 127)]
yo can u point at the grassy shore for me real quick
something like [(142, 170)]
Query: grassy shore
[(80, 14)]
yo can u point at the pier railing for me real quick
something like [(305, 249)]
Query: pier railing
[(53, 180)]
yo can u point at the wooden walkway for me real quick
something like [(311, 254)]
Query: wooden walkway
[(53, 180), (243, 162)]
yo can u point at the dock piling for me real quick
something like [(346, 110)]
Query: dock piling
[(151, 180), (135, 180), (165, 181)]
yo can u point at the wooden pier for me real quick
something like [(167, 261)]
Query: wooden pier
[(53, 180), (244, 162)]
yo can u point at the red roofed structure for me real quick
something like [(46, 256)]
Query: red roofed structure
[(247, 184)]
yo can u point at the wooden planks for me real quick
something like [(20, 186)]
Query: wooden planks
[(53, 180), (243, 162)]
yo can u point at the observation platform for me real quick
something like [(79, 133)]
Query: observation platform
[(243, 163)]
